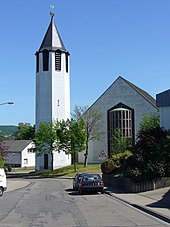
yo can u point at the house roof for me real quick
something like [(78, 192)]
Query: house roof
[(163, 99), (52, 40), (143, 93), (16, 145)]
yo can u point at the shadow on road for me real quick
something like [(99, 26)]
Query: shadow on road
[(163, 203)]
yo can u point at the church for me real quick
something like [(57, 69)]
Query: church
[(52, 89), (123, 105)]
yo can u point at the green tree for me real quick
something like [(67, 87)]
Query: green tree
[(3, 152), (151, 152), (46, 139), (25, 132), (92, 124), (72, 138), (119, 143), (149, 122)]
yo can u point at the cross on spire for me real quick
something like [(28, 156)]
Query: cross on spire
[(52, 10)]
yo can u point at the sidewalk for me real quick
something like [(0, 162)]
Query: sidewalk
[(155, 202)]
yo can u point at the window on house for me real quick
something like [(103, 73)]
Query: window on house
[(37, 62), (31, 150), (67, 63), (25, 161), (58, 61), (45, 60), (121, 117)]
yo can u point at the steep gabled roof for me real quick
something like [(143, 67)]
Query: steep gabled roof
[(52, 39), (143, 93), (16, 145)]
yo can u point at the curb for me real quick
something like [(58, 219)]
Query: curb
[(142, 208)]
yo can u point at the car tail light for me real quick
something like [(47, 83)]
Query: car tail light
[(82, 183), (101, 182)]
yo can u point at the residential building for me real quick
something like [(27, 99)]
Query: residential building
[(20, 153), (163, 103)]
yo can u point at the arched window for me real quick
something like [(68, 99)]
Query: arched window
[(120, 117), (45, 60)]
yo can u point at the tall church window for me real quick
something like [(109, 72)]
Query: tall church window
[(120, 117), (67, 63), (45, 60), (58, 61), (37, 62)]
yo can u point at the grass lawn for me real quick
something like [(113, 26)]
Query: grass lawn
[(68, 171)]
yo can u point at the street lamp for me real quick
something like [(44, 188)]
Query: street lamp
[(4, 103)]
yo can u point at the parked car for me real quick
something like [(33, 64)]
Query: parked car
[(76, 180), (3, 185), (91, 182)]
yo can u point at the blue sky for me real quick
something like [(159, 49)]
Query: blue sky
[(106, 39)]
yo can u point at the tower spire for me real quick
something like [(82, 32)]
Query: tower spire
[(52, 40)]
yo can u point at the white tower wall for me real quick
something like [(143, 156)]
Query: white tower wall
[(52, 91)]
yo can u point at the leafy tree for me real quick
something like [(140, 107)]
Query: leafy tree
[(120, 143), (72, 138), (2, 137), (3, 152), (25, 132), (151, 151), (149, 122), (92, 124), (46, 139), (78, 112)]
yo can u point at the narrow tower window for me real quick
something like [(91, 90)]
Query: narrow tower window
[(67, 63), (45, 60), (58, 61), (37, 65)]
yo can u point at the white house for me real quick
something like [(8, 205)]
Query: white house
[(163, 103), (20, 153), (123, 105), (52, 89)]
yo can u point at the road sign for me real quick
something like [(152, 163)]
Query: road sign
[(102, 155)]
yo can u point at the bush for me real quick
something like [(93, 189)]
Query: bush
[(117, 162), (9, 167), (134, 173), (108, 166)]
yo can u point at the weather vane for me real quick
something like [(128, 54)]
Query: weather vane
[(52, 8)]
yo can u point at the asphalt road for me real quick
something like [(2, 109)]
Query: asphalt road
[(52, 203)]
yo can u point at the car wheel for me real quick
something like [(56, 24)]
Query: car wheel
[(102, 192), (1, 191)]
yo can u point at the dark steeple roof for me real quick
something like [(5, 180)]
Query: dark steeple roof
[(52, 40)]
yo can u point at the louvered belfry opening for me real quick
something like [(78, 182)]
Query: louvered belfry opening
[(45, 60), (58, 61)]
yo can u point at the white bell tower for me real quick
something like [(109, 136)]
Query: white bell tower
[(52, 88)]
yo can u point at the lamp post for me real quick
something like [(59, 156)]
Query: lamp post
[(9, 103)]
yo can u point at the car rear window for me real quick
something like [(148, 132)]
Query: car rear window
[(92, 177)]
